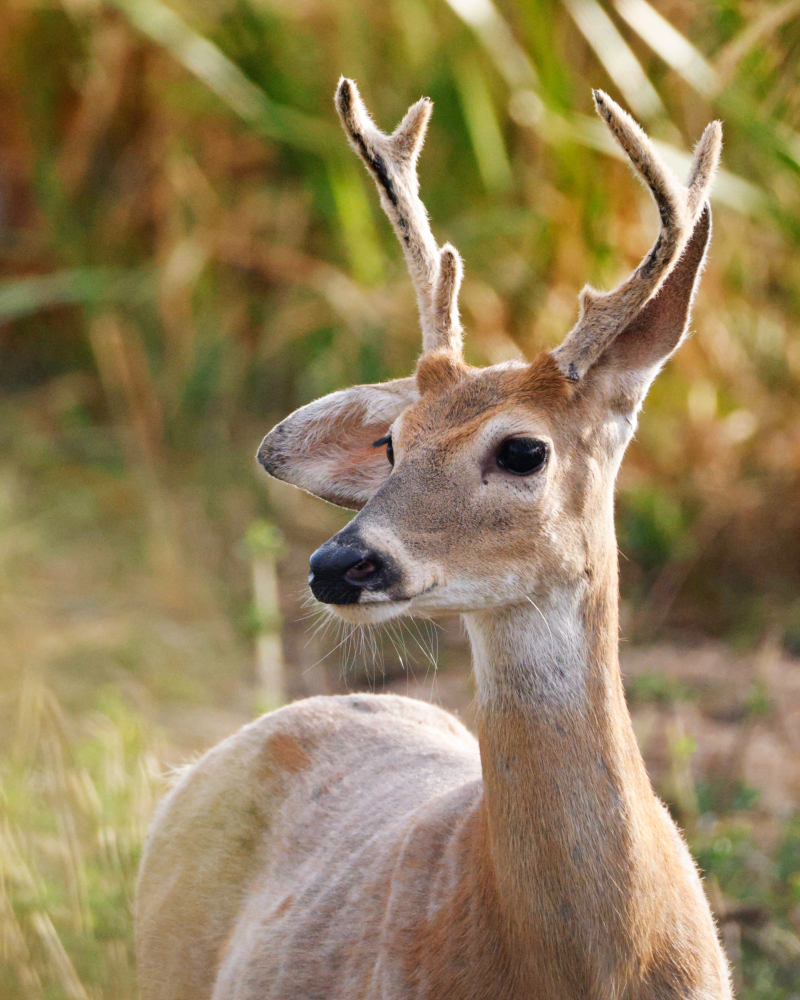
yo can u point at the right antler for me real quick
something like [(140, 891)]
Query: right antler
[(604, 315), (392, 161)]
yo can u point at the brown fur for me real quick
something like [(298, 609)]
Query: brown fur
[(438, 371), (368, 848), (284, 753)]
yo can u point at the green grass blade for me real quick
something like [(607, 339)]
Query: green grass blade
[(25, 296), (211, 66)]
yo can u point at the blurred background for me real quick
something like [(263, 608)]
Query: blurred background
[(189, 250)]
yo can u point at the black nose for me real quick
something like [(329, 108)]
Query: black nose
[(340, 573)]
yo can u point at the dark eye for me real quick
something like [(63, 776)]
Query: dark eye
[(389, 449), (522, 456)]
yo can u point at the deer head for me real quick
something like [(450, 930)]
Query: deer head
[(479, 488)]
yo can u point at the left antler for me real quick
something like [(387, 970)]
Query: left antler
[(604, 315), (392, 160)]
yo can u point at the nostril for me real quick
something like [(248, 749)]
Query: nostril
[(362, 570), (335, 560), (341, 573), (349, 565)]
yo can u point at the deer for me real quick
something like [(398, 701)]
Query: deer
[(368, 845)]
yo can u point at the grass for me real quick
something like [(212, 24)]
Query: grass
[(76, 797), (757, 895)]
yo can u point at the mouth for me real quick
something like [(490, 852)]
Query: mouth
[(369, 612), (377, 608)]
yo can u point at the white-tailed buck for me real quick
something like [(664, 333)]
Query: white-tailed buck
[(368, 846)]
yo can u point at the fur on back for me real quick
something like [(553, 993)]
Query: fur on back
[(299, 840)]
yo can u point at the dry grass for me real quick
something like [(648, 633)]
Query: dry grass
[(75, 802)]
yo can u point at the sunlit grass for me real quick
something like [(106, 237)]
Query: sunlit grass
[(76, 797)]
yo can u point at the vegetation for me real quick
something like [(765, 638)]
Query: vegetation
[(188, 250), (76, 802)]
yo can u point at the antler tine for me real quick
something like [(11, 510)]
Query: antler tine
[(392, 161), (446, 319), (603, 315), (704, 167)]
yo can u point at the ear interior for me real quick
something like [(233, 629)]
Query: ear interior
[(327, 447), (636, 355)]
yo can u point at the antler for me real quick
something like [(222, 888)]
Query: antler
[(392, 161), (604, 315)]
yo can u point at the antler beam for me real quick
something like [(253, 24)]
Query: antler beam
[(604, 315), (392, 160)]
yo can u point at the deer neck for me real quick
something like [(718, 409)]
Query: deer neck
[(570, 813)]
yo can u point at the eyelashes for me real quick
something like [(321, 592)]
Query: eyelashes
[(389, 449)]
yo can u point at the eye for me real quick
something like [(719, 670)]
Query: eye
[(522, 456), (389, 449)]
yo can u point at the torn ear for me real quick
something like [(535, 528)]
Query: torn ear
[(327, 447), (627, 367)]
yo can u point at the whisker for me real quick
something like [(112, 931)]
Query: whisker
[(531, 601), (391, 634), (413, 628), (339, 644)]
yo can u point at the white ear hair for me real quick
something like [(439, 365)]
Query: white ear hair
[(327, 447), (625, 370)]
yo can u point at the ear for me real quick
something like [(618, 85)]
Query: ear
[(627, 367), (326, 448)]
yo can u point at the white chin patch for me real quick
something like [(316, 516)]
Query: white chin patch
[(369, 613)]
